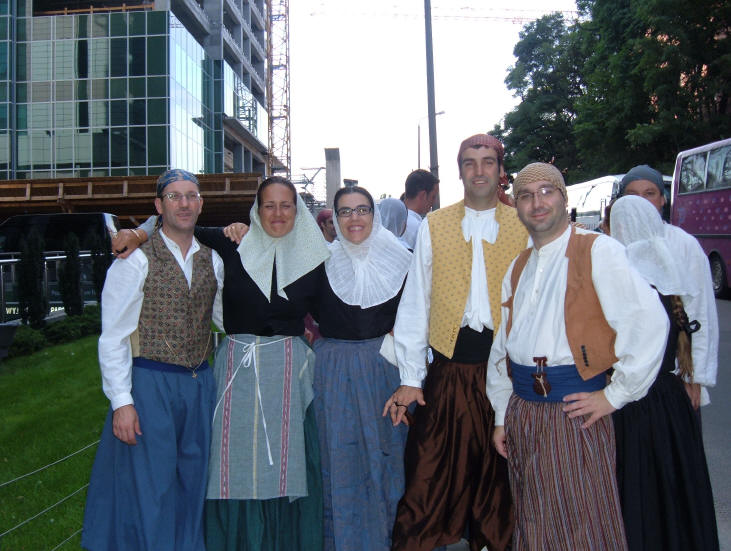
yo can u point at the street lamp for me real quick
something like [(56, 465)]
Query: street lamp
[(418, 138)]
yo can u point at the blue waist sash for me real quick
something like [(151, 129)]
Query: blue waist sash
[(169, 368), (564, 379)]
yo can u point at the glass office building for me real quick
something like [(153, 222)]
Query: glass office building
[(101, 89)]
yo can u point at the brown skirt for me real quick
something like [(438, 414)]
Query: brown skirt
[(454, 477), (563, 479)]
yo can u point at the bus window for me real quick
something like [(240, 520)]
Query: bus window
[(719, 168), (693, 173)]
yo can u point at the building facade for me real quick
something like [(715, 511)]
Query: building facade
[(90, 88)]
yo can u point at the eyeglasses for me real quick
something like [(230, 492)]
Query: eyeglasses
[(347, 212), (176, 197), (545, 192)]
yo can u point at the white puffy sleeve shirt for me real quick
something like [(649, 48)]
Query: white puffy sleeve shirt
[(121, 306), (700, 305), (411, 329), (631, 307)]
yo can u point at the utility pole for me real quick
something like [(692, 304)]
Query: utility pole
[(433, 162)]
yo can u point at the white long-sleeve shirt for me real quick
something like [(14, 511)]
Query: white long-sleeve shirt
[(121, 306), (411, 329), (700, 306), (631, 307)]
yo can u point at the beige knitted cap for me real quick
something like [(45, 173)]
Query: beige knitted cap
[(539, 172)]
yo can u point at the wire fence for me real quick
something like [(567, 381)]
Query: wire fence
[(51, 507)]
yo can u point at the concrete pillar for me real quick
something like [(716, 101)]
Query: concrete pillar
[(332, 174)]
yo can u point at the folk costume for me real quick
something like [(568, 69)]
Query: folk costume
[(573, 309), (264, 485), (454, 477), (153, 350), (361, 451), (661, 465)]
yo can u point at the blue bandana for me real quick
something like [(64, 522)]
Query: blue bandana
[(174, 175)]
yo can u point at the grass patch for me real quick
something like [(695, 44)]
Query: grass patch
[(52, 406)]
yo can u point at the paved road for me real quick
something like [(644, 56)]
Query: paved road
[(716, 434), (716, 430)]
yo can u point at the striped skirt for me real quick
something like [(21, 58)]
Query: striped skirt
[(562, 479)]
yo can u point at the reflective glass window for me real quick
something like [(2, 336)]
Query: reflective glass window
[(64, 90), (157, 22), (118, 57), (23, 151), (64, 27), (118, 24), (3, 115), (100, 88), (136, 56), (21, 93), (693, 173), (99, 58), (137, 146), (4, 7), (82, 58), (40, 115), (137, 23), (82, 26), (156, 111), (21, 68), (157, 87), (99, 113), (137, 112), (41, 91), (22, 30), (42, 28), (82, 149), (41, 60), (118, 88), (82, 89), (82, 110), (156, 55), (118, 112), (118, 154), (64, 147), (3, 28), (137, 87), (65, 111), (64, 57), (157, 150), (100, 146), (21, 116), (40, 149), (100, 25), (4, 91), (719, 168)]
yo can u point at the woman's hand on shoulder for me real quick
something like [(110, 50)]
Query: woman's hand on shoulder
[(124, 242), (236, 231)]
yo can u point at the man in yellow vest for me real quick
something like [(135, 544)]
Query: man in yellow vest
[(454, 479), (572, 309)]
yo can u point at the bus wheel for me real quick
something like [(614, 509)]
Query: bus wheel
[(718, 275)]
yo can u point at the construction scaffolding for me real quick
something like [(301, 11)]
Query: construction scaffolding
[(279, 159)]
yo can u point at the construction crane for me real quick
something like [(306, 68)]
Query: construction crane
[(279, 159)]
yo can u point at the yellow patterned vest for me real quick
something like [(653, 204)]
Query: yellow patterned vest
[(452, 269)]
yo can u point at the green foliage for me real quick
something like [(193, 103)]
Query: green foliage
[(26, 341), (69, 277), (630, 83), (31, 294), (52, 406), (101, 258)]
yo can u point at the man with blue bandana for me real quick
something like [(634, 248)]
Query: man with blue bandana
[(148, 482)]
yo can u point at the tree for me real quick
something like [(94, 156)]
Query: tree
[(32, 298), (548, 80), (69, 277)]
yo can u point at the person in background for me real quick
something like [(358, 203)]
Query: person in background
[(572, 309), (394, 216), (362, 452), (666, 495), (700, 304), (148, 482), (451, 302), (421, 190), (325, 223)]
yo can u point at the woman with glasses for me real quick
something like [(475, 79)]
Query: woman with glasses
[(361, 451)]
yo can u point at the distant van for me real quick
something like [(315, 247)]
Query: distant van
[(54, 228), (587, 200)]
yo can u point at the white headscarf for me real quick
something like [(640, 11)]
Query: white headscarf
[(393, 215), (368, 273), (296, 253), (636, 224)]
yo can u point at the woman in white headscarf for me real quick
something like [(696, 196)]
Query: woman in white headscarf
[(661, 466), (362, 452), (394, 216)]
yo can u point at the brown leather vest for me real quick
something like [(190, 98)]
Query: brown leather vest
[(590, 337), (175, 321)]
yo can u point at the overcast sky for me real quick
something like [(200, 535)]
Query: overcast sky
[(358, 82)]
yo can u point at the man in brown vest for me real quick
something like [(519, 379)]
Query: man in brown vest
[(149, 478), (451, 302), (573, 309)]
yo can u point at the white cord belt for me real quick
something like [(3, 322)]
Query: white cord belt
[(249, 359)]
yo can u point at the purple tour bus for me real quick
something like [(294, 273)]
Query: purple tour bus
[(701, 204)]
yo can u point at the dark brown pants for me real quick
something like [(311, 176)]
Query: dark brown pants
[(454, 476)]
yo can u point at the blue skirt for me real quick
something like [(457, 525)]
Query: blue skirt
[(362, 453)]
